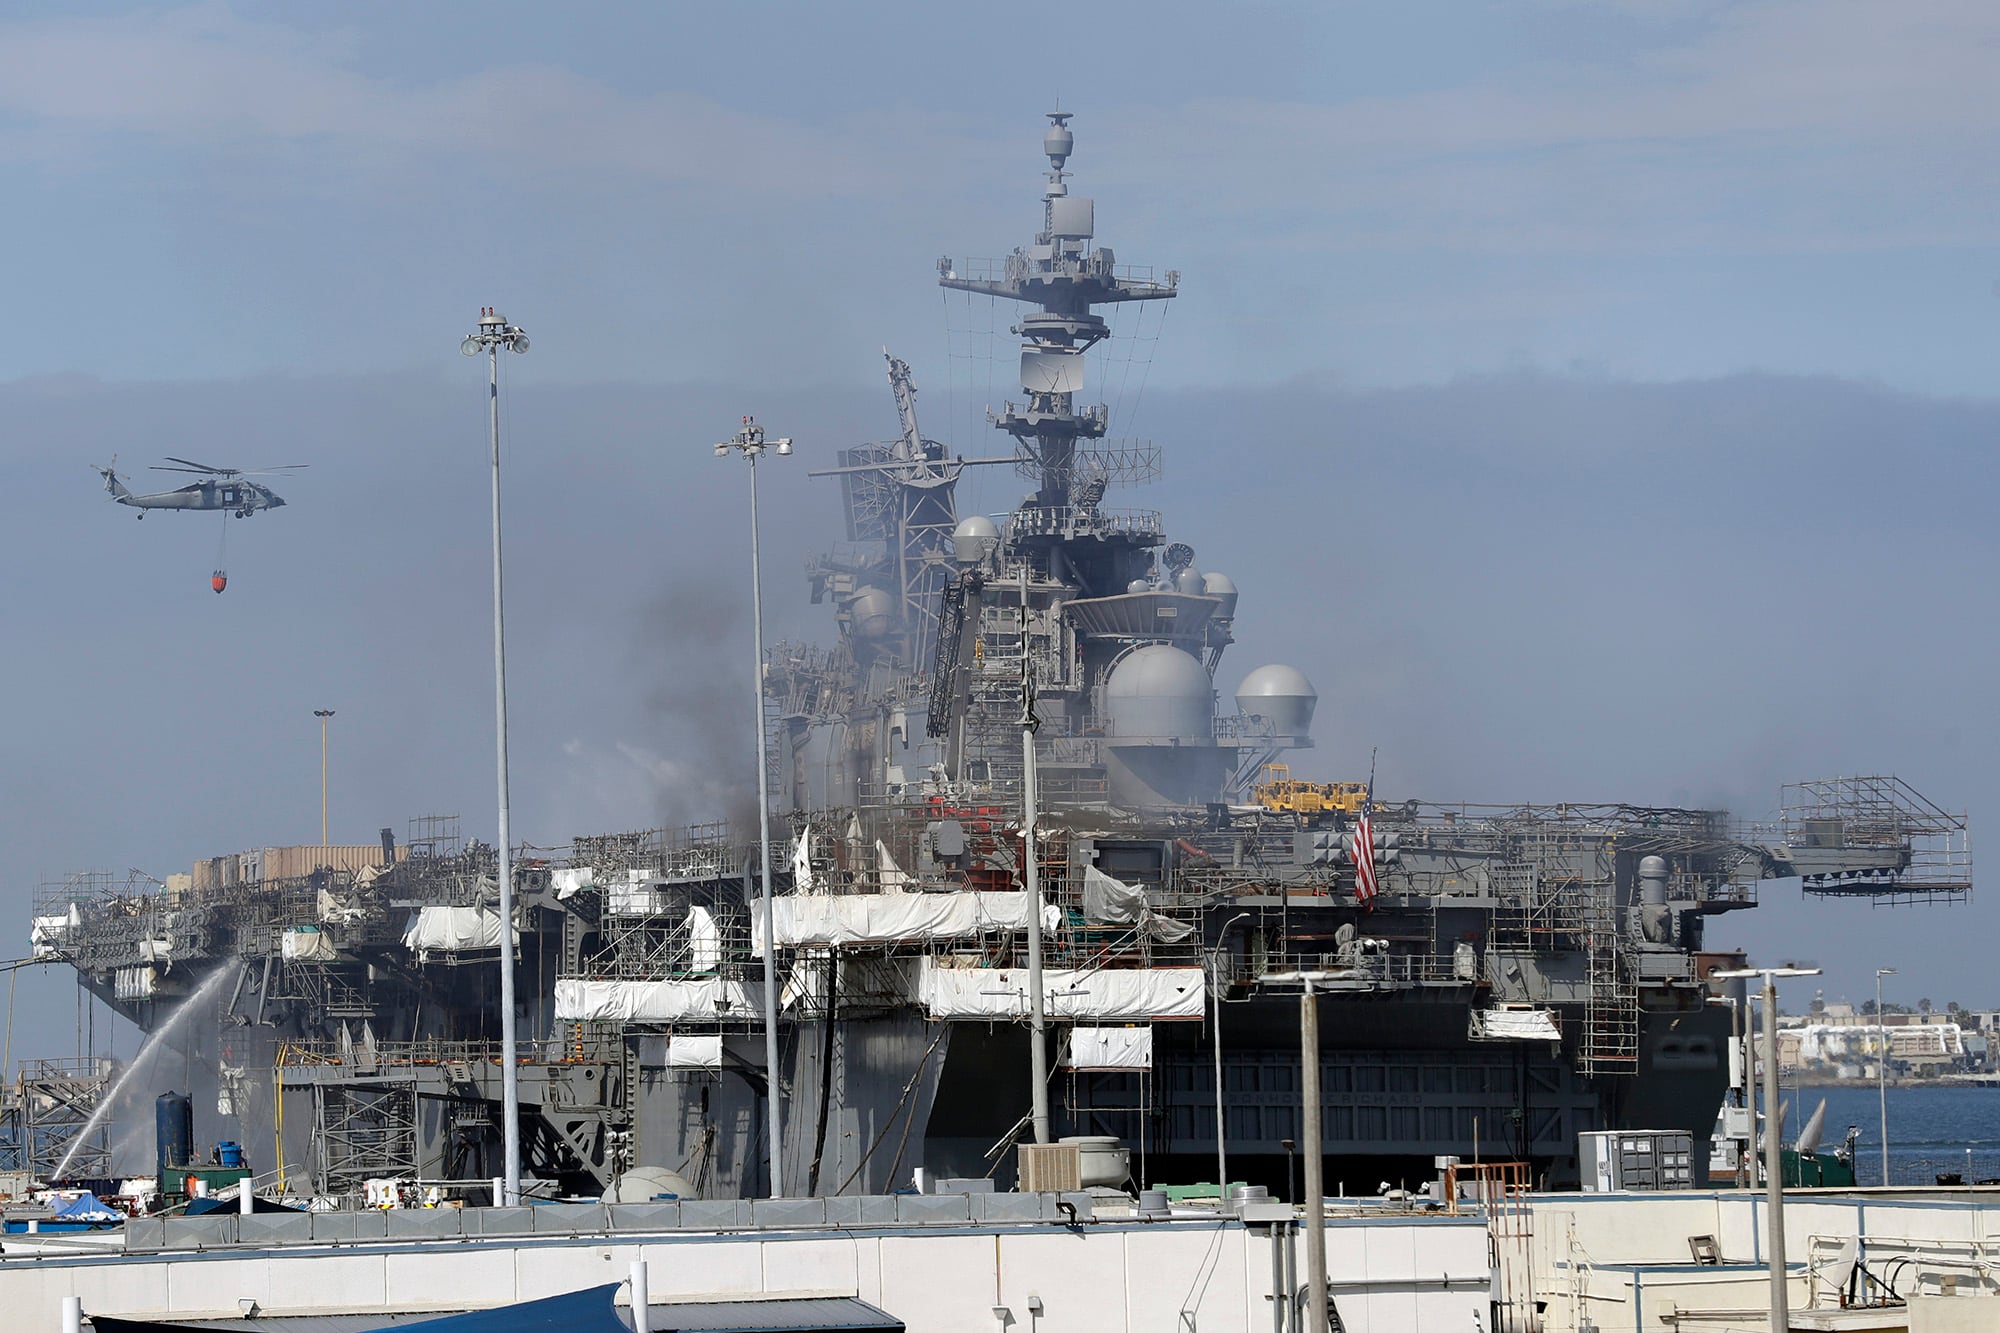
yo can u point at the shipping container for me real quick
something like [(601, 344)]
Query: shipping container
[(298, 862), (1635, 1159), (265, 864)]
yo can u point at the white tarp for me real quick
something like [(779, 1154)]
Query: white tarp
[(694, 1052), (637, 894), (804, 987), (47, 932), (885, 918), (133, 983), (802, 863), (450, 929), (893, 878), (567, 880), (703, 998), (1111, 1048), (336, 909), (1132, 995), (306, 944), (704, 940), (1514, 1025), (1107, 901)]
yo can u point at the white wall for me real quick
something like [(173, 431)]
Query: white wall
[(1639, 1264), (1392, 1275)]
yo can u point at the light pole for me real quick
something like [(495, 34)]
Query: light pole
[(495, 332), (1315, 1146), (323, 714), (751, 443), (1215, 1038), (1031, 855), (1882, 1066), (1774, 1172)]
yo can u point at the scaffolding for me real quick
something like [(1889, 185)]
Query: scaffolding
[(1924, 852), (57, 1103), (434, 837), (363, 1132)]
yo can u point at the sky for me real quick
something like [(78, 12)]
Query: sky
[(1593, 399)]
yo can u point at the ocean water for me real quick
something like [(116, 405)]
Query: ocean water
[(1930, 1130)]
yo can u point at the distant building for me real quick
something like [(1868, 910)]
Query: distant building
[(1848, 1047)]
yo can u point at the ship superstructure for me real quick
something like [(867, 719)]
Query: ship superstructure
[(1499, 978)]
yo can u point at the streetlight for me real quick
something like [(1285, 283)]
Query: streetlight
[(1774, 1172), (751, 442), (323, 714), (1215, 1038), (495, 332), (1031, 857), (1882, 1066), (1315, 1146)]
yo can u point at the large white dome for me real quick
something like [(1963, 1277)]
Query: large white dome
[(1160, 692)]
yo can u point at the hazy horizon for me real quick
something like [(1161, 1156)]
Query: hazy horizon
[(1593, 400)]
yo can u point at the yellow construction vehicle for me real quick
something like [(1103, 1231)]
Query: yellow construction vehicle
[(1281, 792)]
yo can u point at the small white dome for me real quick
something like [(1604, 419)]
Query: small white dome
[(1221, 585), (974, 539)]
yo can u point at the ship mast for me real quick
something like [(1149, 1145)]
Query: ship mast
[(1064, 278)]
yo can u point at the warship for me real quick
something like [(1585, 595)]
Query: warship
[(1030, 881)]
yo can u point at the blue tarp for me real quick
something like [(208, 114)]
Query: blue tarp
[(87, 1207), (588, 1311)]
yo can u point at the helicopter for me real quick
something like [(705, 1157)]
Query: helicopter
[(223, 488)]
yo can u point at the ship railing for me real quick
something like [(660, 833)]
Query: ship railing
[(100, 891), (1702, 890), (597, 1049), (1245, 726), (1081, 521), (845, 558), (1389, 969), (697, 853)]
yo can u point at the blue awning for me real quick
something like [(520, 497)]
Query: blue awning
[(587, 1311), (87, 1207), (801, 1314)]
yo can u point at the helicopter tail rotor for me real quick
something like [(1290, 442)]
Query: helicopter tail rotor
[(113, 484)]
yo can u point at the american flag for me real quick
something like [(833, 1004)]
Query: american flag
[(1364, 860)]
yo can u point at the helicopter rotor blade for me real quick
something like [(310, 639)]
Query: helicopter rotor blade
[(267, 471), (202, 467), (198, 471)]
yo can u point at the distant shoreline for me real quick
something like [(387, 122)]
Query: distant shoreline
[(1985, 1081)]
